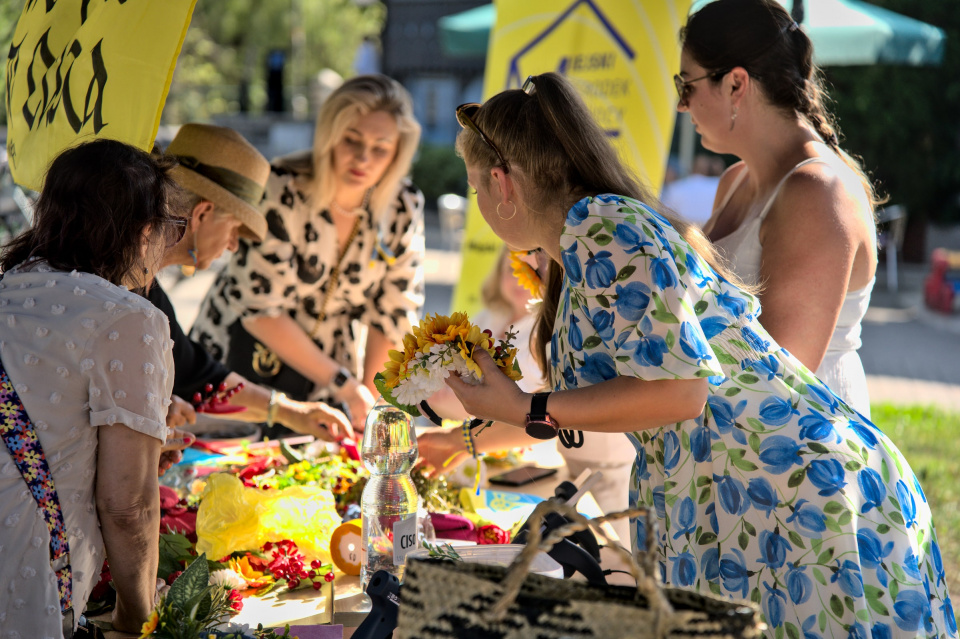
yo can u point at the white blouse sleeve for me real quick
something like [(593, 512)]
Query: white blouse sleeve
[(129, 367)]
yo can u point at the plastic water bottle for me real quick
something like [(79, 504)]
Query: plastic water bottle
[(389, 501)]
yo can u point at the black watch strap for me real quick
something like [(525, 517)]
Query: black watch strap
[(538, 405), (341, 378)]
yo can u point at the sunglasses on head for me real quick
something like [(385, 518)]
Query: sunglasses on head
[(175, 229), (683, 86), (466, 113)]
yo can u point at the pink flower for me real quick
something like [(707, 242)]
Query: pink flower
[(492, 534)]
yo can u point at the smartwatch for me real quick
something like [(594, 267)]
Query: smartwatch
[(539, 424), (340, 378)]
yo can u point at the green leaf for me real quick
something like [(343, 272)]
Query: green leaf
[(755, 595), (822, 619), (744, 540), (796, 477), (844, 518), (832, 524), (725, 358), (661, 313), (704, 496), (707, 538), (792, 631), (743, 464), (749, 528), (700, 307), (387, 394), (754, 441), (704, 480), (623, 358), (603, 239), (190, 585), (885, 471), (756, 424), (715, 588), (825, 556), (796, 539), (609, 225), (853, 466), (592, 342), (836, 606), (898, 573), (670, 340), (894, 590), (834, 508), (626, 272), (817, 447), (733, 390), (602, 301), (594, 229), (818, 575), (748, 378), (864, 616), (896, 518)]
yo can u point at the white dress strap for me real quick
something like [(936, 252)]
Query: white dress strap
[(783, 180)]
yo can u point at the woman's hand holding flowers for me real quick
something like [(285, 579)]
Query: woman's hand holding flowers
[(495, 397), (359, 400)]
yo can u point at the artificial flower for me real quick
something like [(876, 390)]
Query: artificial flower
[(228, 578), (252, 577), (492, 534), (526, 275), (436, 347), (149, 625)]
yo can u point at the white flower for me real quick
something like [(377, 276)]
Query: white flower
[(228, 578)]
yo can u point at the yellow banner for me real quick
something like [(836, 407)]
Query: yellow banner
[(620, 54), (79, 69)]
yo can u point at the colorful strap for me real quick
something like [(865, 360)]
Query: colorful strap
[(22, 442)]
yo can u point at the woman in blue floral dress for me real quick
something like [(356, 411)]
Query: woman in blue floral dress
[(763, 484)]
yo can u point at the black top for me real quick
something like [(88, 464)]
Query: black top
[(194, 367)]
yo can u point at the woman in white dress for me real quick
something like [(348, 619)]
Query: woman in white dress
[(90, 362), (795, 216)]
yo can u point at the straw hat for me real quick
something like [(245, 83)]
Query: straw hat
[(219, 165)]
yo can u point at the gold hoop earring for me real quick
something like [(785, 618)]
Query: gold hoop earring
[(506, 218)]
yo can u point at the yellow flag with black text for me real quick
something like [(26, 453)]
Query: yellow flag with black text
[(621, 55), (80, 69)]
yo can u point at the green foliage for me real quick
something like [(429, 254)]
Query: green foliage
[(438, 170), (191, 605), (229, 40), (927, 437), (904, 121)]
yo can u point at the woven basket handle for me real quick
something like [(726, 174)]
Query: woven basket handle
[(644, 571)]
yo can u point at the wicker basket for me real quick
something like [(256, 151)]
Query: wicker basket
[(448, 599)]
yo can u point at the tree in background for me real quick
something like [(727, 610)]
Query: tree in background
[(224, 53), (222, 66), (905, 124)]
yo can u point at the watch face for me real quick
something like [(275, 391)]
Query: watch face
[(541, 430), (340, 379)]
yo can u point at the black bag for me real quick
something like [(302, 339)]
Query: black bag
[(251, 359)]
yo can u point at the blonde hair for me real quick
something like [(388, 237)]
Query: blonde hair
[(492, 289), (356, 98), (552, 138)]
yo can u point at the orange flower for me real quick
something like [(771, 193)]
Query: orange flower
[(526, 275), (149, 625), (506, 365), (439, 329), (242, 567)]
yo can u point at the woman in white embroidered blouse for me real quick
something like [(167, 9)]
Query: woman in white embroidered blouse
[(91, 363), (346, 200)]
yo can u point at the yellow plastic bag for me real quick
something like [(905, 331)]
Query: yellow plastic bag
[(234, 518)]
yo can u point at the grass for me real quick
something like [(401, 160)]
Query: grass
[(930, 440)]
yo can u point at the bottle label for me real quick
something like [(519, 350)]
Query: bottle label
[(404, 538)]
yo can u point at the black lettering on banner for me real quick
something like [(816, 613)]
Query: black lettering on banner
[(75, 50), (100, 79), (13, 62), (46, 57)]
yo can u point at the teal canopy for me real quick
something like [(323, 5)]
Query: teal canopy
[(844, 33)]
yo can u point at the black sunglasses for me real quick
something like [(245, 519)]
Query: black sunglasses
[(465, 113), (175, 230), (683, 86)]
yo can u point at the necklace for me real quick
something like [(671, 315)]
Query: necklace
[(336, 208)]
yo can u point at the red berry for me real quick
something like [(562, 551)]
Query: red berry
[(328, 577), (197, 398), (173, 577), (208, 388), (222, 387), (317, 585)]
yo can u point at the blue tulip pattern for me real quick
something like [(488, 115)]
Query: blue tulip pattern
[(778, 493)]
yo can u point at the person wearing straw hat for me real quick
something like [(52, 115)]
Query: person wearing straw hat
[(224, 176)]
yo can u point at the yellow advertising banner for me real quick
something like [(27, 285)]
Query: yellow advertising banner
[(620, 54), (79, 69)]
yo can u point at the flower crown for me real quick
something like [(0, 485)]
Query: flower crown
[(437, 346)]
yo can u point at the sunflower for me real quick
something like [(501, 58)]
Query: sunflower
[(440, 329), (526, 275), (149, 625)]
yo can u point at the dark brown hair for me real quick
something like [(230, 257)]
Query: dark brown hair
[(553, 139), (97, 201), (761, 37)]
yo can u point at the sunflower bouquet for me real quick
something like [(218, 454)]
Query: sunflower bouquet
[(438, 346)]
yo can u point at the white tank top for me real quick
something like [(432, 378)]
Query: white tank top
[(841, 369)]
